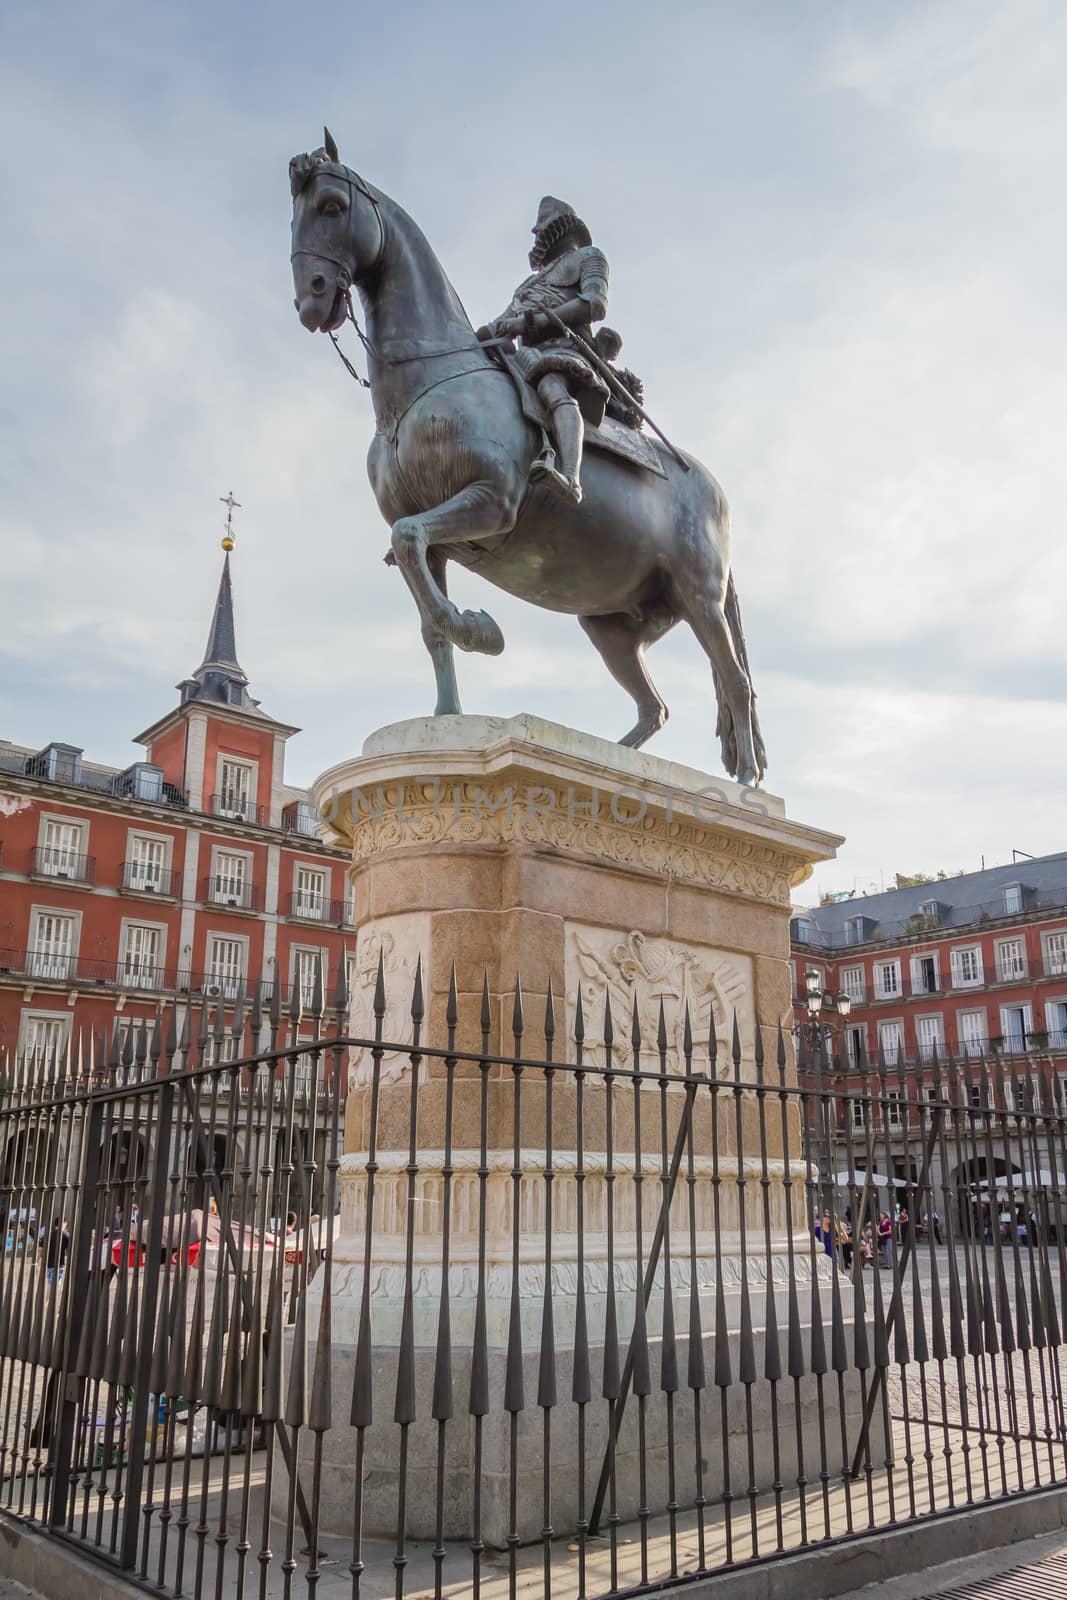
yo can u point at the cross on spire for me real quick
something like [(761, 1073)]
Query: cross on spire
[(231, 505)]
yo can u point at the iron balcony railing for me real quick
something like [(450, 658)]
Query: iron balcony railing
[(301, 819), (139, 877), (235, 809), (116, 972), (237, 894), (309, 907), (50, 861), (65, 775)]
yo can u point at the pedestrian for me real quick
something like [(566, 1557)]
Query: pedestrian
[(935, 1220), (867, 1245), (885, 1237), (55, 1248), (903, 1224), (844, 1241)]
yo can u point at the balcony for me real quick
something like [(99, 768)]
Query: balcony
[(302, 819), (236, 809), (1015, 970), (235, 894), (139, 877), (304, 906), (48, 861), (71, 774)]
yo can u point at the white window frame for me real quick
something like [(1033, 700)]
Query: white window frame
[(246, 764), (898, 1051), (854, 983), (307, 986), (56, 819), (70, 956), (887, 963), (926, 1046), (858, 1116), (303, 901), (1028, 1022), (802, 930), (917, 986), (1013, 899), (1017, 968), (136, 836), (855, 1030), (229, 983), (157, 968), (956, 959), (1054, 951), (972, 1049), (1057, 1035), (894, 1109), (221, 897), (33, 1015)]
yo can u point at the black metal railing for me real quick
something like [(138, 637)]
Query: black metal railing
[(235, 809), (892, 929), (585, 1307), (302, 819), (46, 965), (305, 906), (69, 866), (238, 894), (140, 877), (73, 775)]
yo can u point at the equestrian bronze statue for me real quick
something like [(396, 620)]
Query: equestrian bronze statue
[(519, 452)]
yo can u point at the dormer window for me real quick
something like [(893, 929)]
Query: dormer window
[(1013, 898)]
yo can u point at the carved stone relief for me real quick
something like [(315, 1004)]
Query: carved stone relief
[(715, 985), (398, 941)]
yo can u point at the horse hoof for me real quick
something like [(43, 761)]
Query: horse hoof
[(479, 633)]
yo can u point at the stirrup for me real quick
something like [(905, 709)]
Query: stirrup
[(543, 471)]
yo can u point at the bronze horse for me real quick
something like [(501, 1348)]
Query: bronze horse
[(449, 466)]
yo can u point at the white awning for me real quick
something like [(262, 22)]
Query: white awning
[(858, 1180)]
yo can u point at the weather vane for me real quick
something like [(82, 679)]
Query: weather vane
[(231, 505)]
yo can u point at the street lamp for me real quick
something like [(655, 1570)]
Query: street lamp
[(813, 1035)]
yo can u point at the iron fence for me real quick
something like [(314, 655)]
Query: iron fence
[(464, 1310)]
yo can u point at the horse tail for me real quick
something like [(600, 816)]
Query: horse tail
[(724, 727)]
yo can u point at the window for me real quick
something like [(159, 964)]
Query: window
[(216, 1051), (855, 1044), (1056, 952), (859, 1113), (44, 1036), (1011, 960), (229, 883), (853, 983), (930, 1033), (305, 971), (891, 1041), (893, 1108), (886, 979), (350, 972), (967, 966), (141, 965), (977, 1097), (225, 965), (1016, 1026), (972, 1032), (54, 938), (925, 978), (61, 849), (235, 789), (147, 866), (1013, 898), (801, 930), (1056, 1022), (310, 897)]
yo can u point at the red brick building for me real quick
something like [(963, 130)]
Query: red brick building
[(194, 873), (975, 964)]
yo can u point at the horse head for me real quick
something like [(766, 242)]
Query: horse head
[(337, 234)]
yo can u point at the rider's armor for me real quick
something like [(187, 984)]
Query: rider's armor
[(568, 384)]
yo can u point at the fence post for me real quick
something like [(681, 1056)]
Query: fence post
[(79, 1266), (131, 1524)]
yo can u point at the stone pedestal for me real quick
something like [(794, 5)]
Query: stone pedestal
[(516, 850)]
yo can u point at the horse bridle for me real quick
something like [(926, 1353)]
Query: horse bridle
[(343, 281)]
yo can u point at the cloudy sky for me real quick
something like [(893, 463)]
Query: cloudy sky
[(837, 236)]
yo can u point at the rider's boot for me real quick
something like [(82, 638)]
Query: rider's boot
[(569, 431)]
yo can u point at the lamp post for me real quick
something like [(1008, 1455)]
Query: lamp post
[(814, 1035)]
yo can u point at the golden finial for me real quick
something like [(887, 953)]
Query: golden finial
[(231, 505)]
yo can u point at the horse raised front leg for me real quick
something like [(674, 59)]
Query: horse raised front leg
[(473, 513)]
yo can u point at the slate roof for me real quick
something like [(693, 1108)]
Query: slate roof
[(962, 899)]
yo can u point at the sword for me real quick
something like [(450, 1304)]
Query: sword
[(613, 381)]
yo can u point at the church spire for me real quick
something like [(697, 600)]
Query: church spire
[(219, 676)]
